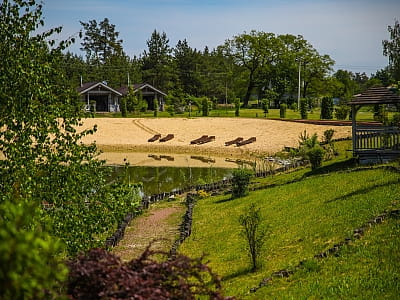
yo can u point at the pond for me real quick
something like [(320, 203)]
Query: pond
[(166, 172)]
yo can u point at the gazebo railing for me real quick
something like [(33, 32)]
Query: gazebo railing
[(377, 138)]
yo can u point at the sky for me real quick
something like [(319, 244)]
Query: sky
[(349, 31)]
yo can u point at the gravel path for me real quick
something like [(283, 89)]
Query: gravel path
[(158, 223)]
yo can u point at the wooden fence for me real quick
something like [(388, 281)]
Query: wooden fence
[(382, 138)]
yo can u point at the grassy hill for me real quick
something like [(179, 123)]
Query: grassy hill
[(307, 213)]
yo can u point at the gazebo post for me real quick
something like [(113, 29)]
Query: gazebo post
[(354, 127)]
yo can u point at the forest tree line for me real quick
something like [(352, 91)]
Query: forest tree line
[(250, 65)]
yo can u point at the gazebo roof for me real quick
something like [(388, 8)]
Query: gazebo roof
[(376, 95)]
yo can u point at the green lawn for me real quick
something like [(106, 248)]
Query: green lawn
[(364, 115), (306, 213)]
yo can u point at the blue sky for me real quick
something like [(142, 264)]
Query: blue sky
[(351, 31)]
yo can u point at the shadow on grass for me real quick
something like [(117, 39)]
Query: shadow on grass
[(237, 273), (363, 191), (334, 167)]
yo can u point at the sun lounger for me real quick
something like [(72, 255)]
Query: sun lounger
[(245, 142), (235, 141), (207, 139), (154, 138), (199, 140), (167, 138)]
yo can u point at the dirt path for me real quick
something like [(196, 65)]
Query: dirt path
[(159, 222)]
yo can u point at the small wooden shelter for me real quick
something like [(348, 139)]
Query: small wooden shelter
[(149, 93), (375, 143), (105, 98)]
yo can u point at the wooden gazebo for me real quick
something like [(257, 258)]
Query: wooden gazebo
[(375, 143)]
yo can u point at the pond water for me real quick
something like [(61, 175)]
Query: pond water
[(166, 172), (166, 179)]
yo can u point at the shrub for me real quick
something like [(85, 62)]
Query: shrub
[(155, 107), (204, 107), (100, 274), (254, 235), (123, 107), (237, 107), (328, 135), (303, 108), (342, 111), (396, 119), (265, 106), (315, 155), (327, 108), (282, 110), (240, 182)]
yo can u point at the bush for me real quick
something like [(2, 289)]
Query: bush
[(315, 155), (342, 111), (123, 107), (327, 108), (265, 106), (237, 107), (100, 274), (240, 182), (204, 107), (282, 110), (303, 108)]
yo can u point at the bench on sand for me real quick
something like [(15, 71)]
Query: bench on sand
[(235, 141), (199, 140), (245, 142), (207, 140), (167, 138), (154, 138)]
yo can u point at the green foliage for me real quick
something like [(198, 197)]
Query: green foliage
[(305, 222), (240, 182), (396, 119), (391, 50), (45, 164), (282, 110), (315, 155), (156, 107), (29, 265), (205, 106), (303, 108), (327, 108), (251, 221), (237, 107), (100, 41), (328, 136), (123, 107), (265, 106), (342, 111)]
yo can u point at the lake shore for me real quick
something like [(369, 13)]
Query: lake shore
[(130, 135)]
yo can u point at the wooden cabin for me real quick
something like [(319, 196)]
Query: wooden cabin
[(375, 143), (149, 93), (99, 94)]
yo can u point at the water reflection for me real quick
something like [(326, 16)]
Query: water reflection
[(166, 179), (166, 172)]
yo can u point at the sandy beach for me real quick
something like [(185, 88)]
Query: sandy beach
[(129, 135)]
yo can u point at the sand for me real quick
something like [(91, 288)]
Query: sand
[(129, 135)]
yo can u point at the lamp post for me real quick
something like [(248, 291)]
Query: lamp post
[(190, 108), (299, 88)]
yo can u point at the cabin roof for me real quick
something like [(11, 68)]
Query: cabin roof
[(88, 86), (139, 86), (376, 95)]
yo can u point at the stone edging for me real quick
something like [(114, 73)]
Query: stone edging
[(357, 234)]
